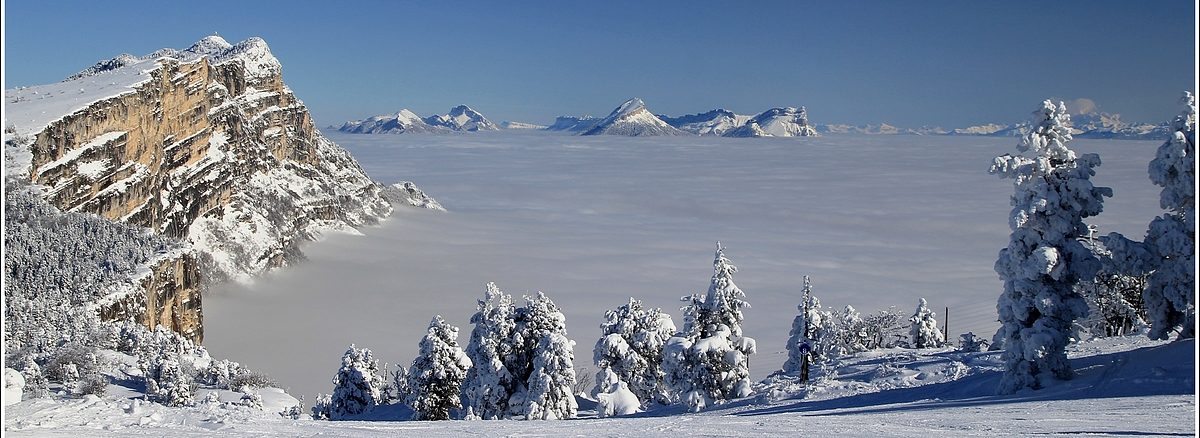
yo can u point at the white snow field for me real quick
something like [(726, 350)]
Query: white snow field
[(1124, 386)]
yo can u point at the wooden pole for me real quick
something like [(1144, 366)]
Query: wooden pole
[(946, 327)]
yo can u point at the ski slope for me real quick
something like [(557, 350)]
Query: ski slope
[(1124, 386)]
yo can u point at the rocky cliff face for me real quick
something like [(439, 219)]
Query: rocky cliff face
[(206, 145)]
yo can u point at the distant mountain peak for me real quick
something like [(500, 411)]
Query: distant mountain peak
[(714, 122), (629, 107), (777, 122), (211, 44), (632, 118), (460, 118)]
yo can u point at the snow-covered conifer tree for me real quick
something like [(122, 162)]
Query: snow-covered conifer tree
[(167, 383), (321, 407), (924, 332), (36, 384), (489, 384), (970, 343), (357, 386), (1044, 258), (548, 390), (709, 360), (399, 387), (807, 329), (630, 347), (849, 333), (436, 375), (1171, 293)]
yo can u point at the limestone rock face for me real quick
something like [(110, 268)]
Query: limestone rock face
[(206, 145)]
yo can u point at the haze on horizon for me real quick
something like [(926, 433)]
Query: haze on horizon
[(944, 63)]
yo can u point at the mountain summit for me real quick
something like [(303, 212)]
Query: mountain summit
[(715, 122), (462, 118), (632, 119), (776, 122)]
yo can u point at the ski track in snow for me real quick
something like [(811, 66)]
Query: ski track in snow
[(877, 221)]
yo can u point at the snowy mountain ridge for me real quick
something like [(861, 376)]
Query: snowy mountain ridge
[(776, 122), (716, 122), (460, 119)]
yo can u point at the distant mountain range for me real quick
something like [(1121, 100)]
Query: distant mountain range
[(632, 118), (460, 119)]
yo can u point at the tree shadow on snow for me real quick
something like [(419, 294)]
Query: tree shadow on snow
[(1160, 370)]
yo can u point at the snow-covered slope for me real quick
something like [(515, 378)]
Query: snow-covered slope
[(462, 118), (776, 122), (520, 125), (715, 122), (632, 119), (1124, 386), (403, 122)]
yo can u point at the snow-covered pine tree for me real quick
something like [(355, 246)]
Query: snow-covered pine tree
[(1171, 293), (970, 343), (849, 333), (924, 333), (708, 362), (807, 329), (437, 373), (399, 386), (166, 381), (630, 346), (1044, 258), (1115, 295), (489, 384), (321, 407), (548, 389), (36, 384), (357, 385)]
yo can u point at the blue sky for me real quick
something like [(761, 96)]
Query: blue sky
[(947, 63)]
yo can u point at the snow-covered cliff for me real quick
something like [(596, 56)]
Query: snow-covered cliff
[(205, 145)]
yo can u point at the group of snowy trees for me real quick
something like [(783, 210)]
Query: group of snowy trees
[(818, 335), (1053, 269), (518, 364)]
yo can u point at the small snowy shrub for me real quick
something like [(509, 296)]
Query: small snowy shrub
[(970, 343), (924, 332)]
